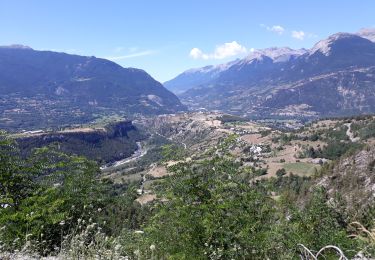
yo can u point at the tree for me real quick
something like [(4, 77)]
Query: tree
[(172, 152), (211, 213), (318, 225), (45, 194), (15, 175)]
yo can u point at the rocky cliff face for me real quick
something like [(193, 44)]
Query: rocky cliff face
[(114, 142), (196, 131), (353, 179)]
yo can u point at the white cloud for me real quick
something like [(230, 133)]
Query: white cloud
[(223, 51), (275, 28), (229, 49), (300, 35), (196, 53), (297, 34), (132, 55)]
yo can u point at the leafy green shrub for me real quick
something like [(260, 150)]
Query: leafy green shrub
[(364, 130), (173, 152), (210, 213), (231, 118), (280, 172), (319, 225), (314, 137), (335, 150), (260, 171), (49, 195)]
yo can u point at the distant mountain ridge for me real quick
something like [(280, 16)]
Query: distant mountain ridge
[(335, 77), (196, 77), (64, 88), (368, 33)]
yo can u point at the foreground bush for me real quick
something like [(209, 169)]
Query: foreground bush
[(49, 197)]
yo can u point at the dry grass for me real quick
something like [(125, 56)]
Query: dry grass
[(301, 168), (158, 172), (146, 198), (255, 139)]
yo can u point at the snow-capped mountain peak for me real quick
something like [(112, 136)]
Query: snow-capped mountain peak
[(368, 33), (325, 46), (16, 46), (212, 68), (277, 54), (282, 54)]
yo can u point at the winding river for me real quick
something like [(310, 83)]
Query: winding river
[(140, 152)]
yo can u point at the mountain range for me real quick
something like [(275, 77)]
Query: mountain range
[(45, 88), (335, 77)]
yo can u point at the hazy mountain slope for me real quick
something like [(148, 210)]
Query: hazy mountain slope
[(34, 81), (194, 78), (335, 77)]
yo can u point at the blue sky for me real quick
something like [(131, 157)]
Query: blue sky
[(166, 37)]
